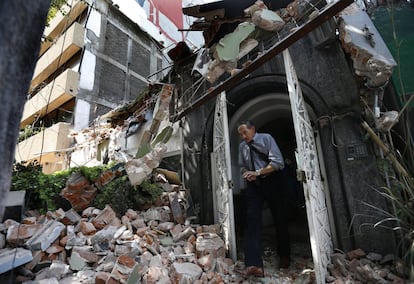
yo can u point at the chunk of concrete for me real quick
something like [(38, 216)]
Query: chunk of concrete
[(79, 192), (165, 226), (139, 169), (102, 239), (17, 234), (58, 270), (77, 262), (370, 55), (36, 258), (131, 214), (45, 236), (75, 241), (71, 217), (268, 20), (54, 248), (135, 276), (176, 208), (87, 253), (153, 274), (209, 243), (102, 277), (161, 214), (87, 228), (185, 270), (122, 269), (11, 258), (228, 47), (106, 217), (184, 234)]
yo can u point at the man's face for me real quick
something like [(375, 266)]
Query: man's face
[(246, 133)]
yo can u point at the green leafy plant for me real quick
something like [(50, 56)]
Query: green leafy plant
[(121, 195), (92, 173), (55, 7), (26, 177), (43, 190), (28, 131), (402, 198), (51, 185)]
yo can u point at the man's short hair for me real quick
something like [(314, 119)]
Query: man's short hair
[(248, 123)]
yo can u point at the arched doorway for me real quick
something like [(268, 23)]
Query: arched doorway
[(271, 113), (265, 102)]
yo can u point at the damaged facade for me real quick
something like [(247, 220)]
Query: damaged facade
[(342, 67), (93, 59)]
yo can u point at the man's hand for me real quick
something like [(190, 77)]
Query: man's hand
[(250, 175)]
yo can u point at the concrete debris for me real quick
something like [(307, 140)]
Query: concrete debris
[(71, 217), (370, 55), (268, 20), (177, 209), (139, 169), (387, 121), (359, 267), (78, 191), (161, 112), (106, 217), (228, 47), (235, 45), (148, 247), (210, 243), (17, 234), (11, 258), (185, 272), (217, 68), (154, 246), (45, 235)]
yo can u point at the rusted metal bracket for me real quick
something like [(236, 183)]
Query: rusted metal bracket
[(325, 14)]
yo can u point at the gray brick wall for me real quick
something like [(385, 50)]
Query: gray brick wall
[(116, 44), (140, 61)]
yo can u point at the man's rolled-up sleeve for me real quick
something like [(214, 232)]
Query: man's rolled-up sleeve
[(275, 156)]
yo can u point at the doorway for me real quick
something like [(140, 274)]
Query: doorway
[(271, 113)]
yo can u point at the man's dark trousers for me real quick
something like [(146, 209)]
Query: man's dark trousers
[(273, 190)]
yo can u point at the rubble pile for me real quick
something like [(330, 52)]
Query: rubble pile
[(357, 266), (98, 247), (156, 245)]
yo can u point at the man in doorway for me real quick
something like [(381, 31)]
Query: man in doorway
[(261, 165)]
